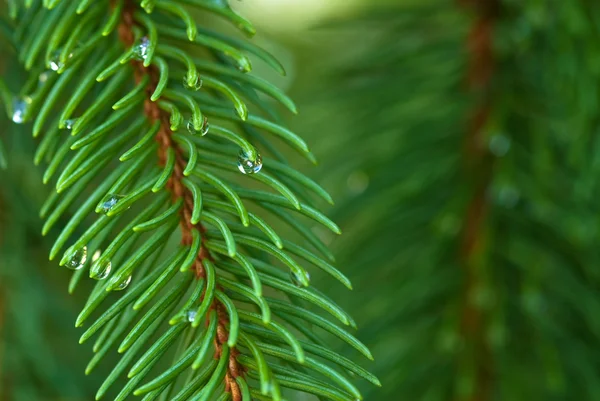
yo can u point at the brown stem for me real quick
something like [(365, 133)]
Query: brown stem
[(479, 164), (179, 190)]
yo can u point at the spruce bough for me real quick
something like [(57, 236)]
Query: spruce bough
[(142, 116)]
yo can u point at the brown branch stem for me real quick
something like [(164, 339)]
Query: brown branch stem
[(179, 191), (479, 165)]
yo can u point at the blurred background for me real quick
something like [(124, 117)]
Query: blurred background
[(461, 142)]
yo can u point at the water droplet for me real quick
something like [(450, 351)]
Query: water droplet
[(123, 285), (499, 145), (54, 63), (96, 255), (141, 50), (20, 108), (148, 7), (195, 87), (101, 269), (190, 315), (205, 126), (248, 166), (70, 123), (77, 259), (296, 279), (203, 131), (110, 201)]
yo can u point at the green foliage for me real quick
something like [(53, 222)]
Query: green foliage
[(141, 121), (404, 117)]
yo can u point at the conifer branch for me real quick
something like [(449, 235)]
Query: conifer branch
[(134, 155), (164, 137), (478, 167)]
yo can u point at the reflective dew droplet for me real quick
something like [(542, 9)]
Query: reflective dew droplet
[(20, 109), (110, 202), (70, 123), (96, 255), (101, 270), (297, 280), (54, 63), (104, 268), (205, 126), (141, 50), (77, 259), (196, 87), (248, 166), (203, 131), (123, 285), (190, 315)]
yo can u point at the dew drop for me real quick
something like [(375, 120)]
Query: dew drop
[(77, 259), (54, 63), (190, 315), (248, 166), (141, 50), (109, 202), (297, 280), (96, 255), (70, 123), (123, 285), (196, 87), (205, 126), (148, 6), (203, 131), (20, 106), (101, 269)]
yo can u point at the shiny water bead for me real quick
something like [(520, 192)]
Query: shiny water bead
[(110, 201), (297, 280), (101, 269), (70, 123), (19, 110), (248, 166), (77, 259), (148, 5), (190, 315), (54, 63), (123, 285), (203, 131), (141, 50), (205, 126), (197, 86)]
